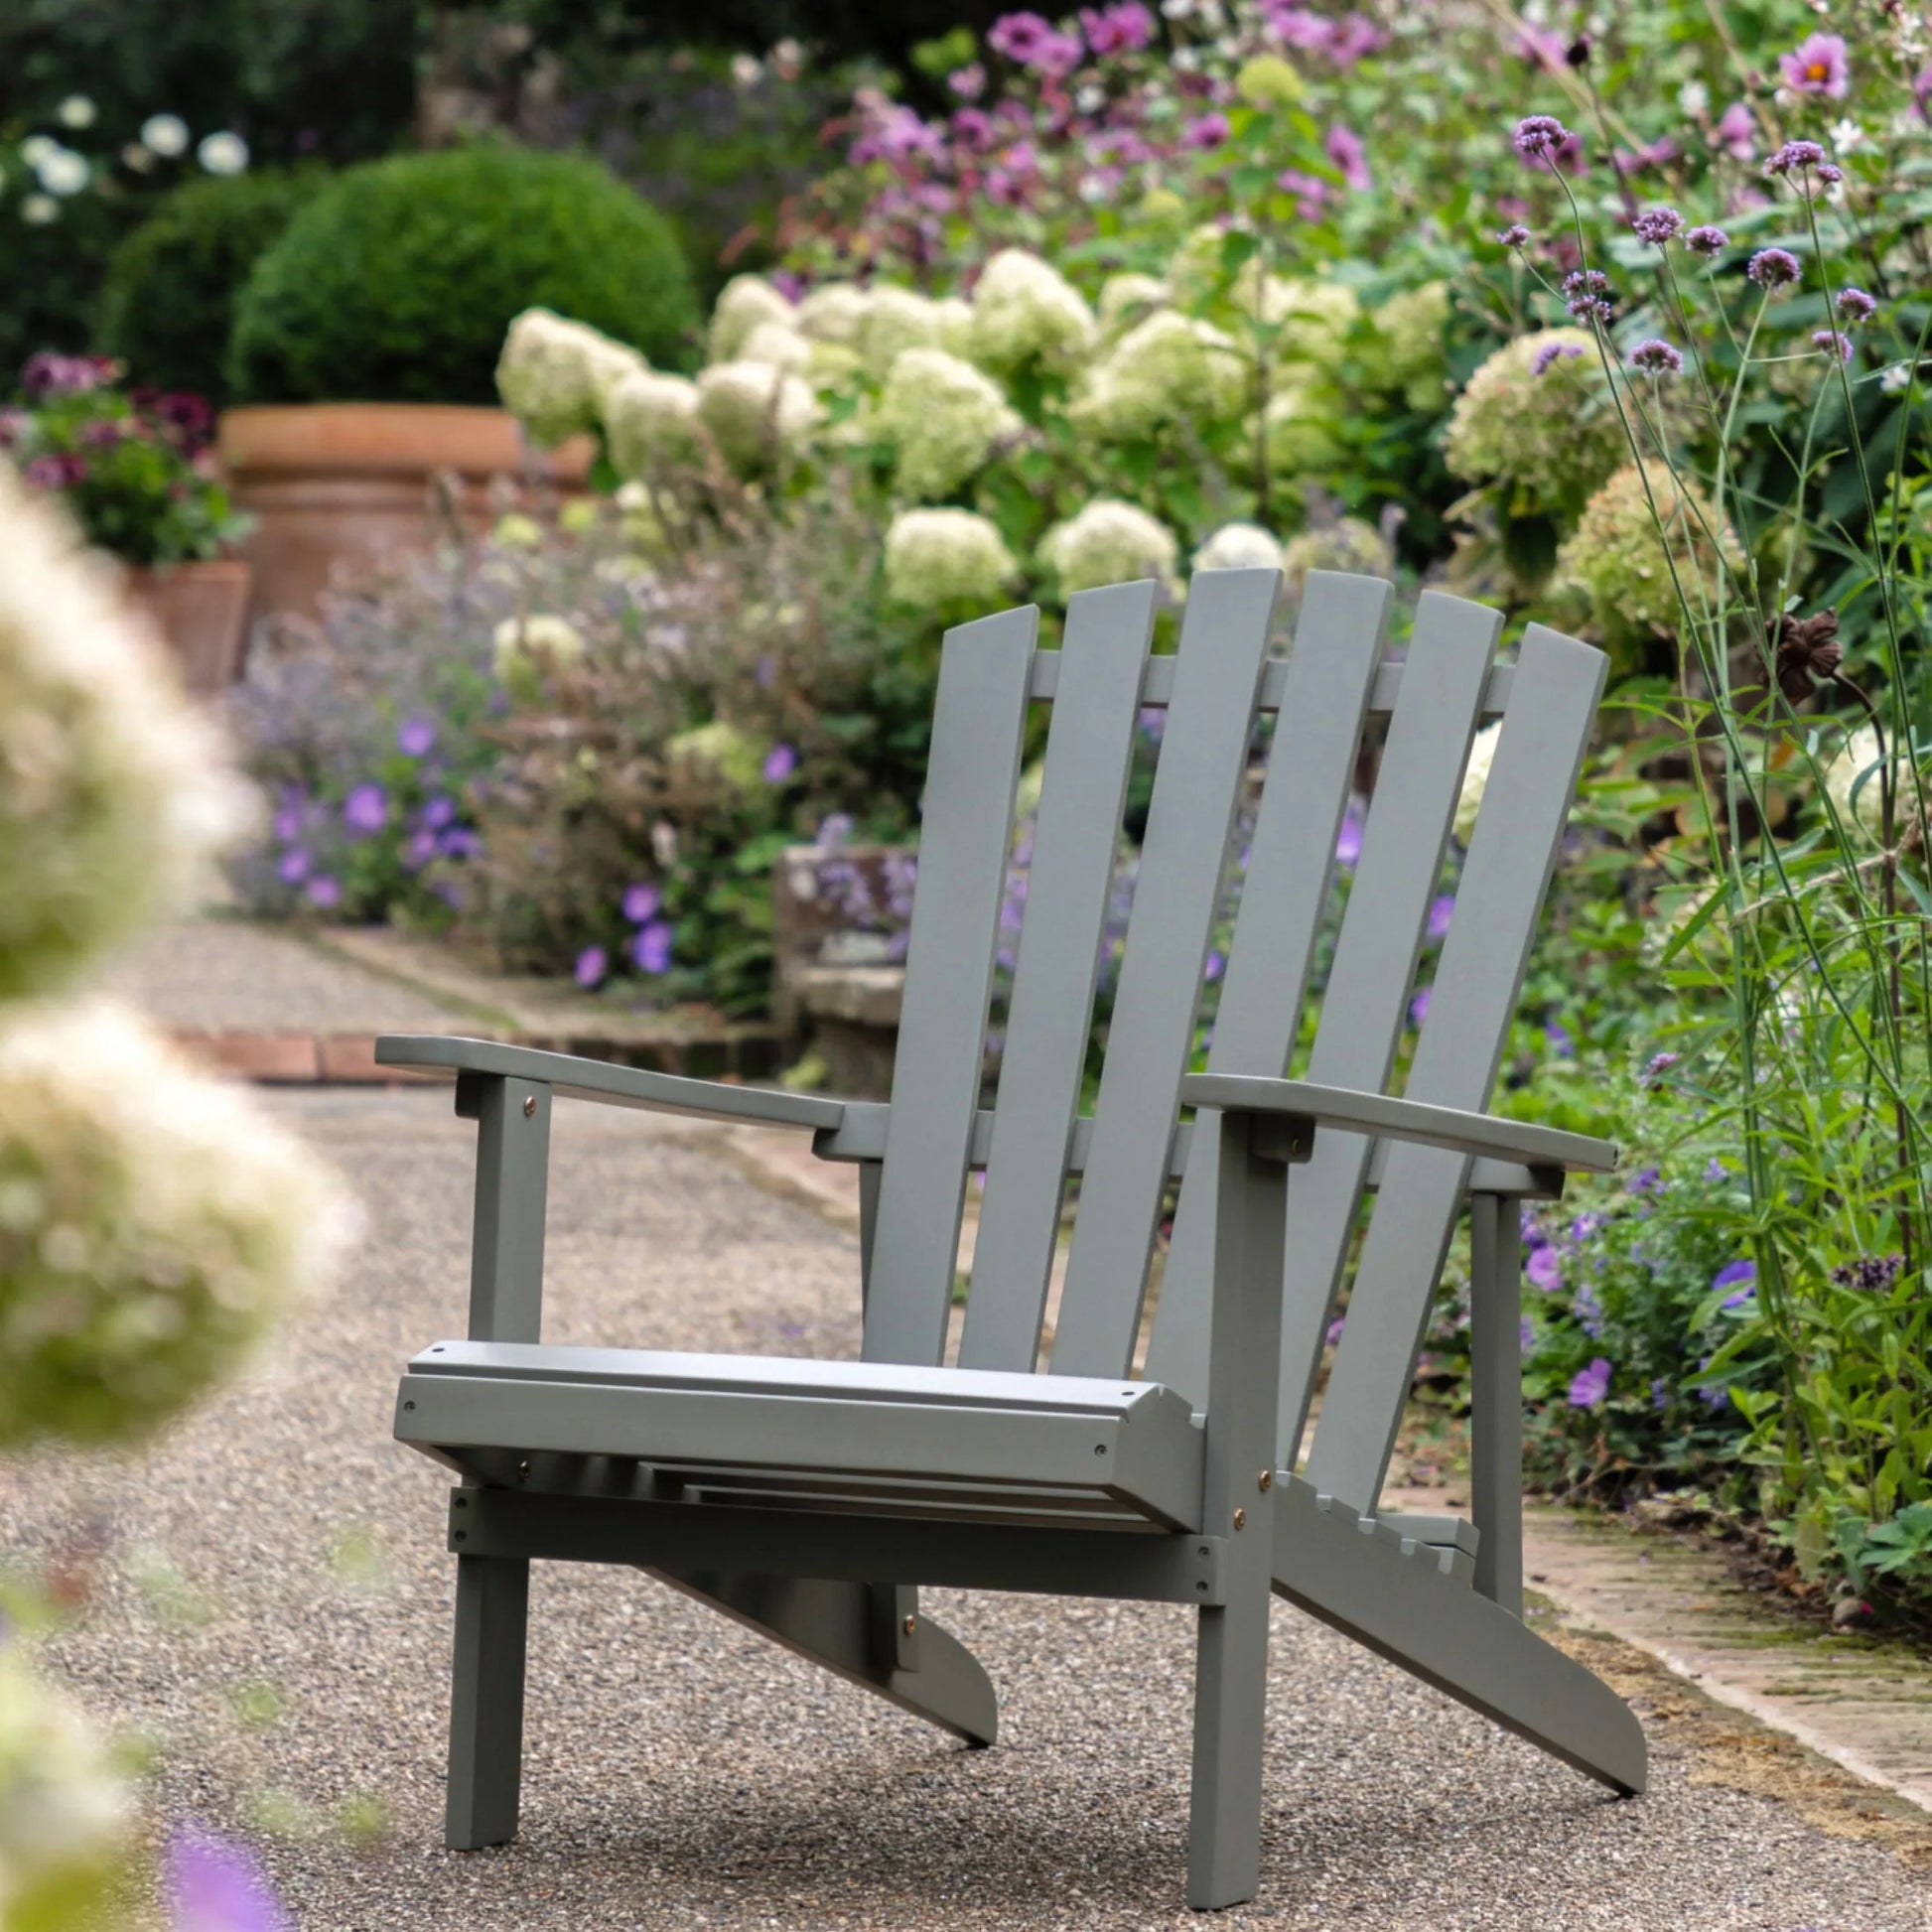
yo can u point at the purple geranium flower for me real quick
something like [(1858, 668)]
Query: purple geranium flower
[(365, 810), (1774, 268), (1655, 356), (1740, 1277), (292, 865), (288, 822), (439, 811), (415, 737), (324, 890), (1210, 131), (214, 1885), (780, 764), (1335, 1327), (1590, 1386), (1418, 1007), (1545, 1269), (1349, 152), (1441, 910), (1816, 65), (1557, 1038), (592, 964), (1124, 28), (1349, 841), (459, 842), (651, 948), (1657, 224), (1707, 241), (419, 849), (1736, 131), (641, 903), (1031, 42)]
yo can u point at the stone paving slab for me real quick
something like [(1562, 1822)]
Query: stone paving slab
[(271, 1595)]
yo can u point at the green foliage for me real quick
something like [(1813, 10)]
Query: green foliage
[(398, 281), (172, 286)]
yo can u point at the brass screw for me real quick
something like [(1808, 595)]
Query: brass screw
[(1240, 1519), (911, 1625), (531, 1107), (1265, 1481)]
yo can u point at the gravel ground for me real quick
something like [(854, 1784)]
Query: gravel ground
[(272, 1598), (232, 977)]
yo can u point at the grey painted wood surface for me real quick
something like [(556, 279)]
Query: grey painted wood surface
[(979, 719)]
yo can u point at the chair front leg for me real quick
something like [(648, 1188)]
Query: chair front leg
[(1496, 1397), (492, 1593), (1231, 1652)]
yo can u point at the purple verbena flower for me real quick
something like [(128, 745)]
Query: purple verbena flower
[(1856, 305), (592, 965), (1588, 1387), (1514, 237), (1794, 154), (1588, 293), (415, 738), (1552, 353), (1707, 241), (641, 903), (365, 810), (214, 1885), (1774, 268), (651, 948), (1832, 342), (1873, 1273), (1657, 224), (780, 764), (1538, 136), (1656, 1067), (1816, 65), (1655, 356)]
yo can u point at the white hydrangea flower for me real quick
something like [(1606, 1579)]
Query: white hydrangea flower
[(1164, 372), (1475, 779), (65, 1809), (37, 211), (754, 411), (116, 794), (1311, 317), (1240, 546), (1195, 272), (943, 417), (165, 135), (222, 153), (75, 111), (1025, 311), (1110, 542), (955, 326), (1350, 545), (1859, 767), (1128, 299), (153, 1221), (902, 319), (650, 422), (936, 559), (744, 302), (833, 313), (62, 172), (523, 644), (555, 376), (781, 344), (1298, 424)]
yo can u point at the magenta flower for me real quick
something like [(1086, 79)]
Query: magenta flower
[(288, 818), (1311, 192), (1774, 268), (365, 810), (1031, 42), (1737, 132), (1856, 305), (292, 868), (592, 965), (1349, 841), (1124, 28), (419, 849), (324, 890), (780, 764), (1816, 65), (651, 948), (968, 83), (1349, 152), (1794, 154), (1539, 137), (1656, 1067), (1514, 237), (1553, 352), (415, 737), (212, 1885), (1542, 47), (1544, 1269), (1588, 1387), (1657, 225), (1707, 241), (641, 903), (1210, 131), (1829, 341), (57, 471), (1655, 356)]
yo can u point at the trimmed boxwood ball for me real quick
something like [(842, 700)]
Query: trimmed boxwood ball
[(172, 286), (398, 283)]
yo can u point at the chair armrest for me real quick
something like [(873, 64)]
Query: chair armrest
[(1400, 1120), (616, 1086)]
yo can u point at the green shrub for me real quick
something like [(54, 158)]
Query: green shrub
[(398, 282), (172, 286)]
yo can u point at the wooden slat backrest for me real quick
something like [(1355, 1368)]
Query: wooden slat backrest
[(1325, 698), (1499, 899), (1183, 851), (1090, 752), (978, 729)]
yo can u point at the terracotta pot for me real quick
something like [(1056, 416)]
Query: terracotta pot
[(346, 484), (202, 609)]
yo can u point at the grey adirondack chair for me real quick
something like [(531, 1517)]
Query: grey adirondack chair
[(809, 1500)]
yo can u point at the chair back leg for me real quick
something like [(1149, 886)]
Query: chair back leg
[(492, 1602)]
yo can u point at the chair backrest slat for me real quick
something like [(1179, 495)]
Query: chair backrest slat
[(1417, 781), (1325, 698), (978, 729), (1070, 876), (1499, 899), (1197, 783)]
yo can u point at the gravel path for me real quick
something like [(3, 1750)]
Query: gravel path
[(272, 1598)]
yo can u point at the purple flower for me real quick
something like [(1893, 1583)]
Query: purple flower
[(1542, 47), (1873, 1273), (1210, 131), (1646, 1181), (1440, 910), (1030, 42), (651, 948), (641, 903), (288, 821), (1590, 1386), (1588, 294), (1832, 342), (439, 811), (1525, 1334), (780, 764), (292, 865), (1657, 224), (1309, 192), (1335, 1327), (1737, 132), (459, 842), (833, 831), (1514, 237), (1552, 353), (1816, 65), (365, 810), (1538, 136), (1349, 152), (1740, 1276), (57, 471), (1774, 268), (1794, 154), (415, 737), (1655, 356), (1545, 1269), (324, 890), (1856, 305), (419, 849), (1418, 1007), (1349, 841), (1124, 28), (1216, 966), (1556, 1036), (592, 964), (1707, 241), (212, 1885), (968, 83)]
